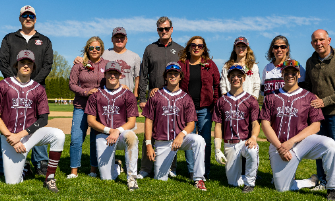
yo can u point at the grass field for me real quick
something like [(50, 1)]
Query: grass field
[(60, 108), (179, 188)]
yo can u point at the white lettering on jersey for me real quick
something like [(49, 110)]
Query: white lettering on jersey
[(21, 103), (110, 110), (170, 110), (234, 115), (287, 111)]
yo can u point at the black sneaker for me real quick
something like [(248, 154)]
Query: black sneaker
[(26, 170), (51, 185), (43, 168), (331, 194), (247, 189)]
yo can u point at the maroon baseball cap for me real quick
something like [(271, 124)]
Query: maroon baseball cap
[(25, 54), (291, 63), (172, 66), (113, 65), (241, 39), (119, 30)]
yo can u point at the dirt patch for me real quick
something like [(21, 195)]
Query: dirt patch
[(60, 114)]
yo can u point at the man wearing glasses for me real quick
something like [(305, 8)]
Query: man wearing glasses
[(155, 58), (40, 45)]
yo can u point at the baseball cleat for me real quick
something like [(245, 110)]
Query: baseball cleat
[(319, 187), (51, 185), (132, 184), (92, 174), (314, 179), (247, 189), (200, 185), (142, 174), (331, 194), (172, 173), (71, 176), (119, 162)]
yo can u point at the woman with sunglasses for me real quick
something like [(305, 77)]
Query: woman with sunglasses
[(243, 56), (201, 81), (85, 79), (279, 51)]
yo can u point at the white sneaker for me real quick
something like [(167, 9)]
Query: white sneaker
[(319, 187), (71, 176), (142, 174), (93, 174), (172, 173), (132, 184)]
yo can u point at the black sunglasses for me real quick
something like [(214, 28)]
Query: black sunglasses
[(160, 29), (200, 46), (279, 46), (31, 16), (91, 48)]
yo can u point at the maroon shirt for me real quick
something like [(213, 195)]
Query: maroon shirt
[(21, 104), (290, 113), (210, 81), (112, 108), (83, 80), (170, 112), (235, 114)]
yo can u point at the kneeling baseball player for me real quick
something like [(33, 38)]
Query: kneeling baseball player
[(23, 114), (289, 122), (232, 114), (170, 116), (112, 111)]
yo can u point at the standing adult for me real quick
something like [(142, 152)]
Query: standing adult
[(320, 79), (155, 58), (28, 38), (242, 55), (85, 79), (279, 51), (202, 83)]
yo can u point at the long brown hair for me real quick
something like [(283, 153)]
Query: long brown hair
[(250, 59), (185, 54)]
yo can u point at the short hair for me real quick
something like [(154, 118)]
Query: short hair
[(88, 43), (162, 20), (323, 30)]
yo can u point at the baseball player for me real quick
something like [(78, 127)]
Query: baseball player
[(170, 116), (112, 111), (289, 122), (23, 114), (232, 114)]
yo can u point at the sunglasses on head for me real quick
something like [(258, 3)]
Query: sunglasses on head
[(169, 67), (236, 67), (160, 29), (31, 16), (200, 46), (279, 46), (292, 63), (91, 48)]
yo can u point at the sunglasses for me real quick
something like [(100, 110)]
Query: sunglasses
[(31, 16), (160, 29), (292, 63), (237, 67), (91, 48), (172, 67), (279, 46), (200, 46)]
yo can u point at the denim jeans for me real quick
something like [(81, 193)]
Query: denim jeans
[(78, 134), (38, 153), (204, 125), (327, 129)]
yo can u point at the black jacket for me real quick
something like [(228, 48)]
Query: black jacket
[(154, 61), (39, 44)]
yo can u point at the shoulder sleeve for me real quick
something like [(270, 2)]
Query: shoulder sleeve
[(308, 83), (91, 106), (47, 62), (144, 76), (217, 113), (42, 101), (2, 94), (266, 109), (216, 83), (5, 67), (190, 113), (314, 114), (74, 81), (302, 74), (150, 108), (137, 65), (131, 105), (254, 109), (224, 82), (256, 81)]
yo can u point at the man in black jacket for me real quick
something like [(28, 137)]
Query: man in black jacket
[(28, 38)]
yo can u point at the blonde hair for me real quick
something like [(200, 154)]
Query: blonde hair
[(88, 43), (250, 59)]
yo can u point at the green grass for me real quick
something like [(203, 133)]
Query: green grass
[(60, 108), (179, 188)]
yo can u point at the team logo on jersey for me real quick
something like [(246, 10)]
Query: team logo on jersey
[(38, 42), (125, 68), (234, 115), (21, 103), (170, 110), (173, 51), (110, 110), (287, 111)]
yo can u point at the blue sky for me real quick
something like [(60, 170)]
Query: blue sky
[(69, 24)]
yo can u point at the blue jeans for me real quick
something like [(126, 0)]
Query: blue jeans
[(39, 153), (78, 134), (204, 125), (327, 129)]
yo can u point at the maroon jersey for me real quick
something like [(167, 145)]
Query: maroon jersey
[(21, 104), (235, 114), (112, 108), (170, 111), (290, 113)]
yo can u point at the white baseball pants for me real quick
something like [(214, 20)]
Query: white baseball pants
[(312, 147), (165, 156), (234, 153), (14, 162), (106, 154)]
